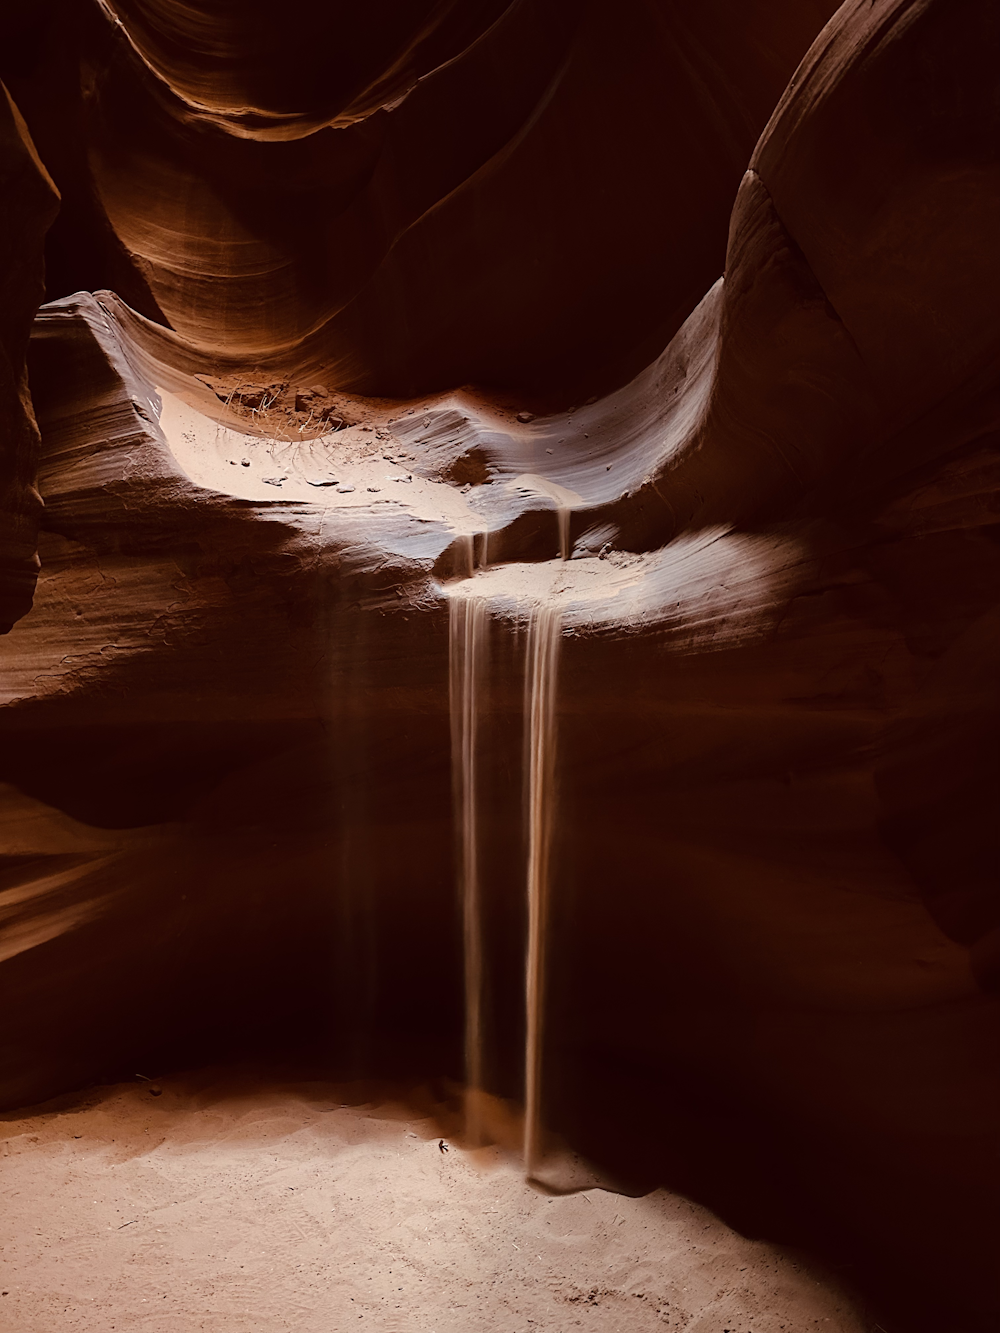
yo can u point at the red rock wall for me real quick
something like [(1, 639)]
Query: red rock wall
[(542, 209), (28, 203)]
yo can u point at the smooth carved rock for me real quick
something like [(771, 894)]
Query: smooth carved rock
[(515, 219), (28, 202)]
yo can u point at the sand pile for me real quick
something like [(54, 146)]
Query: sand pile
[(205, 1207)]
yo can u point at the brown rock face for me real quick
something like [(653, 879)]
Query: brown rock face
[(28, 202), (767, 543), (531, 195)]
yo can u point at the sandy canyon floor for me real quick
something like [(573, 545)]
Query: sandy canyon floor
[(210, 1208)]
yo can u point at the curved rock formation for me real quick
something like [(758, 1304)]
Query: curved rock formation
[(432, 195), (28, 201), (770, 926)]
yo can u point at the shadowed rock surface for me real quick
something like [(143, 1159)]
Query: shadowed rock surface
[(774, 945), (531, 194), (27, 205)]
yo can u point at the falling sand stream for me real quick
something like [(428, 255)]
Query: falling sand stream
[(468, 625), (540, 691), (468, 644)]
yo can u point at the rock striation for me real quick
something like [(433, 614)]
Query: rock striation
[(424, 197), (28, 202)]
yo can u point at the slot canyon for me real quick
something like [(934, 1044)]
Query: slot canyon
[(500, 608)]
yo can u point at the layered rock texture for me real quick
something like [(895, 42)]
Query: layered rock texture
[(349, 323), (27, 206), (416, 196)]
